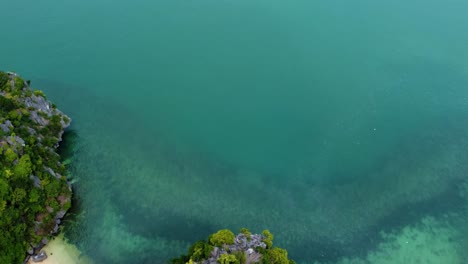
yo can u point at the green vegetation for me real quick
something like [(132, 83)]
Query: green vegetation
[(31, 194), (268, 240), (246, 233), (222, 237), (3, 79), (39, 93), (275, 255), (222, 248), (228, 259), (199, 251)]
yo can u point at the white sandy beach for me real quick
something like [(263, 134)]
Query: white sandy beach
[(60, 252)]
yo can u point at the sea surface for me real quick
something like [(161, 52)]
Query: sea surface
[(340, 126)]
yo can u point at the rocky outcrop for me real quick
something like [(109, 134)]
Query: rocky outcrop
[(5, 127), (32, 127), (244, 243), (223, 247)]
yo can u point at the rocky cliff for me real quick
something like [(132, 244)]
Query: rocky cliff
[(34, 193)]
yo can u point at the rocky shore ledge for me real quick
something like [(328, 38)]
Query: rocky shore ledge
[(34, 192)]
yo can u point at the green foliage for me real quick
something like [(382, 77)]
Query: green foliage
[(246, 232), (241, 256), (20, 201), (34, 195), (228, 259), (275, 256), (268, 238), (14, 115), (66, 120), (23, 168), (39, 93), (6, 105), (180, 260), (19, 83), (200, 250), (3, 79), (222, 237), (18, 195), (10, 156)]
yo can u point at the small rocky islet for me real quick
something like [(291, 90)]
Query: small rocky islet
[(34, 192), (223, 247)]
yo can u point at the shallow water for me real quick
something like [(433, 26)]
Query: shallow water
[(326, 122)]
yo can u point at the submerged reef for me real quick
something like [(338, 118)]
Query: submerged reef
[(34, 192), (226, 248)]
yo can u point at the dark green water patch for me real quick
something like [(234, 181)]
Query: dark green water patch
[(167, 224)]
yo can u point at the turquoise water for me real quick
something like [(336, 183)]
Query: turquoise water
[(327, 122)]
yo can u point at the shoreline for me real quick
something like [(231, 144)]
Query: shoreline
[(60, 251)]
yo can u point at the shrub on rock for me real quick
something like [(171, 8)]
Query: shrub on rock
[(222, 237)]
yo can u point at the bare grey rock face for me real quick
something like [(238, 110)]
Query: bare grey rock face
[(242, 243), (40, 107), (50, 171), (38, 119), (5, 127), (39, 257), (61, 214), (15, 140), (36, 181)]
